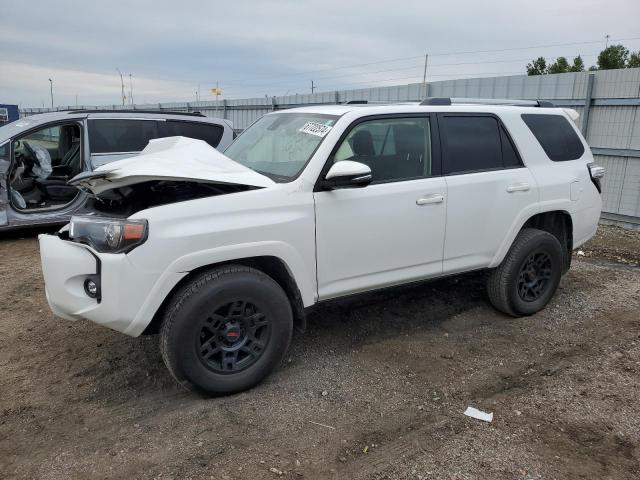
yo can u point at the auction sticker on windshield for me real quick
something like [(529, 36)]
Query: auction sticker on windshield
[(317, 129)]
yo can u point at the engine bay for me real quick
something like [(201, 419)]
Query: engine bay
[(125, 201)]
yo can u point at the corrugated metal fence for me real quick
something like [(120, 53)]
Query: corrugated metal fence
[(608, 103)]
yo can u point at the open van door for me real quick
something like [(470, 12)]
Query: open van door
[(4, 183)]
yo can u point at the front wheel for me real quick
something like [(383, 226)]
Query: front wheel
[(529, 275), (226, 330)]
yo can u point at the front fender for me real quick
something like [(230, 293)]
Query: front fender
[(182, 266)]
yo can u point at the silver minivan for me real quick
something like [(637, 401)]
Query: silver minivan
[(40, 153)]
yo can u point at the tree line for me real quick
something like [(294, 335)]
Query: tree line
[(613, 57)]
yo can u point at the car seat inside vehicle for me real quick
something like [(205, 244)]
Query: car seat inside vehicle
[(43, 162), (393, 149)]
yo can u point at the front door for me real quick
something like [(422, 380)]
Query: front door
[(43, 160), (391, 231)]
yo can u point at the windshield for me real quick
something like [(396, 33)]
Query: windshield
[(10, 129), (280, 145)]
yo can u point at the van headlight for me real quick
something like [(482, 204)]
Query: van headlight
[(108, 235)]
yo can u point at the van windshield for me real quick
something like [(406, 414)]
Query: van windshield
[(279, 145)]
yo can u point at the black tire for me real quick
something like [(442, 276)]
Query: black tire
[(528, 276), (228, 309)]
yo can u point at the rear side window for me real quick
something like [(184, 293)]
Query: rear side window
[(208, 132), (556, 136), (510, 157), (118, 136), (470, 143)]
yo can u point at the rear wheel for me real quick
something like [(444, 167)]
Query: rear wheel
[(226, 330), (529, 275)]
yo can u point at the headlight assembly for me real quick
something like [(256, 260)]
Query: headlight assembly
[(108, 235)]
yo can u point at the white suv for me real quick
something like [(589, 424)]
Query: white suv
[(222, 253)]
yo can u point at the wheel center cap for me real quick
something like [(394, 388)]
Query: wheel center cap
[(232, 333)]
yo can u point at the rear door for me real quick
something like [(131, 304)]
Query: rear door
[(487, 184)]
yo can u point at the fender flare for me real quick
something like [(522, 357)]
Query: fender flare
[(519, 222), (181, 267)]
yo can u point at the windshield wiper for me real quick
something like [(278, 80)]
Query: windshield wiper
[(274, 176)]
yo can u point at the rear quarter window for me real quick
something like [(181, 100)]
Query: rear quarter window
[(120, 136), (555, 135), (209, 132)]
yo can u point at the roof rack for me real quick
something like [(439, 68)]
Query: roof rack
[(486, 101), (376, 102), (166, 112)]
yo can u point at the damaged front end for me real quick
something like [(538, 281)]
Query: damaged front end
[(168, 170), (127, 200)]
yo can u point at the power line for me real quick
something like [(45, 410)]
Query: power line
[(237, 91), (549, 45), (431, 75), (437, 65), (332, 86)]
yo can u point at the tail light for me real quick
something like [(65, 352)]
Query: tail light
[(596, 172)]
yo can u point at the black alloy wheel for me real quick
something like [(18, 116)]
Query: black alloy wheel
[(529, 274), (534, 277), (233, 337), (226, 329)]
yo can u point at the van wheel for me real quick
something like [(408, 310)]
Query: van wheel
[(226, 330), (529, 275)]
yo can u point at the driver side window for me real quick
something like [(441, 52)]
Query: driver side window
[(43, 162), (395, 149)]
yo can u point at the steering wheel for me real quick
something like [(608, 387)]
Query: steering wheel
[(31, 153)]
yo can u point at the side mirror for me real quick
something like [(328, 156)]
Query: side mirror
[(347, 174)]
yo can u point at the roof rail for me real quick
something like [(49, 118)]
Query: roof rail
[(374, 102), (486, 101), (381, 102), (166, 112)]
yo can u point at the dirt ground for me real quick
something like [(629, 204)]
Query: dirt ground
[(385, 378)]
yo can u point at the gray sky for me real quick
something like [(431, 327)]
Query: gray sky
[(263, 47)]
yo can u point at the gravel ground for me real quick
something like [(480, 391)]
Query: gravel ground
[(374, 389)]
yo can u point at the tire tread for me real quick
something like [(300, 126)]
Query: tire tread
[(500, 278), (181, 296)]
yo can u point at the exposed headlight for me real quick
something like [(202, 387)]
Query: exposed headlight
[(108, 235)]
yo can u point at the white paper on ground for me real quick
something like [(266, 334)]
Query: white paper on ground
[(480, 415)]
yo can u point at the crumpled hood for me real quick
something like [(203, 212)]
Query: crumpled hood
[(171, 158)]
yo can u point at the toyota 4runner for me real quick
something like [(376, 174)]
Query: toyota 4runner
[(223, 253)]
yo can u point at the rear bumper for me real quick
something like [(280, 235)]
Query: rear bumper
[(585, 224), (129, 298)]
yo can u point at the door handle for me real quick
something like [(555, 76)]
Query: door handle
[(428, 199), (518, 187)]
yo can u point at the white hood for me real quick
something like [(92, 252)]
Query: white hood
[(171, 158)]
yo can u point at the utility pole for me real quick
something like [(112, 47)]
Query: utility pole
[(51, 88), (424, 75), (76, 100), (313, 87), (121, 85), (606, 40), (130, 90), (217, 94)]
